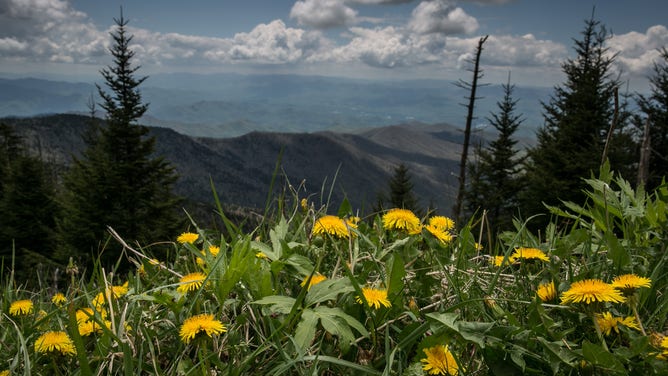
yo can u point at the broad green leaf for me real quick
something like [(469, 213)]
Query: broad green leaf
[(334, 324), (300, 263), (558, 355), (305, 330), (618, 254), (602, 359), (350, 320), (328, 289), (279, 303), (396, 272)]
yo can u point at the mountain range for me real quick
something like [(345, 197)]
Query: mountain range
[(230, 105), (323, 165)]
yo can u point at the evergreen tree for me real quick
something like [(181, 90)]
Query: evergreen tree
[(117, 181), (577, 122), (496, 177), (655, 108), (27, 205), (401, 189)]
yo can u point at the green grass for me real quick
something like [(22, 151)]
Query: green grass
[(490, 317)]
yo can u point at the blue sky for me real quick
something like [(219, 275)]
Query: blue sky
[(385, 39)]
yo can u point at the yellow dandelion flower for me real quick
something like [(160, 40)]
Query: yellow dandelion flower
[(317, 278), (498, 261), (262, 255), (439, 361), (4, 373), (111, 292), (403, 220), (591, 291), (374, 297), (214, 250), (203, 323), (608, 323), (629, 283), (55, 342), (442, 236), (87, 324), (191, 282), (441, 222), (529, 254), (58, 299), (187, 237), (547, 292), (332, 225), (21, 308), (304, 204)]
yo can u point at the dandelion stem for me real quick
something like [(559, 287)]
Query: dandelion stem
[(635, 313)]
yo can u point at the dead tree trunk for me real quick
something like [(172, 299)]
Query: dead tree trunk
[(472, 86)]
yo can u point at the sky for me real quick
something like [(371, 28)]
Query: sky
[(371, 39)]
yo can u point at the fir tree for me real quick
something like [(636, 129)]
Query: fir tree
[(655, 108), (496, 177), (577, 122), (117, 181), (401, 189), (27, 205)]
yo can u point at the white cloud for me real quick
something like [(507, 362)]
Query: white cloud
[(378, 2), (637, 52), (48, 30), (441, 16), (322, 14)]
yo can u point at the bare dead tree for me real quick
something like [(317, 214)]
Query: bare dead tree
[(645, 150), (472, 87)]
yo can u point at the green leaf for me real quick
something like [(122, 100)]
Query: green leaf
[(602, 359), (328, 289), (334, 324), (350, 320), (278, 303), (618, 254), (396, 273), (305, 330), (301, 264)]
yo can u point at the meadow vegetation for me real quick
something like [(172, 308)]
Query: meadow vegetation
[(307, 292)]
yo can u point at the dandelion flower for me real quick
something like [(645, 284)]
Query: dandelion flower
[(4, 373), (21, 308), (608, 323), (547, 291), (529, 254), (203, 323), (304, 204), (374, 297), (58, 299), (441, 222), (87, 325), (439, 361), (262, 255), (317, 278), (332, 225), (629, 283), (55, 342), (191, 282), (591, 291), (187, 237), (403, 220), (440, 234), (498, 261)]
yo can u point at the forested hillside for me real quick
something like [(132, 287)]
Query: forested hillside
[(358, 166)]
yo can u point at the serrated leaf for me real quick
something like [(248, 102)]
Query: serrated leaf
[(305, 330), (602, 359), (334, 324)]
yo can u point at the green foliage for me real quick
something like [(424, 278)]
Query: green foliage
[(401, 193), (117, 181), (27, 208), (655, 109), (496, 179), (296, 302), (577, 127)]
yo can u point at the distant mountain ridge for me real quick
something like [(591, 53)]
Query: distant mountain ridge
[(229, 105), (357, 166)]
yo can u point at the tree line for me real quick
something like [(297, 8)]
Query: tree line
[(586, 123), (48, 219)]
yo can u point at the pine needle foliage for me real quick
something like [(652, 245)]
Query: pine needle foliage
[(497, 176), (577, 123), (118, 181)]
